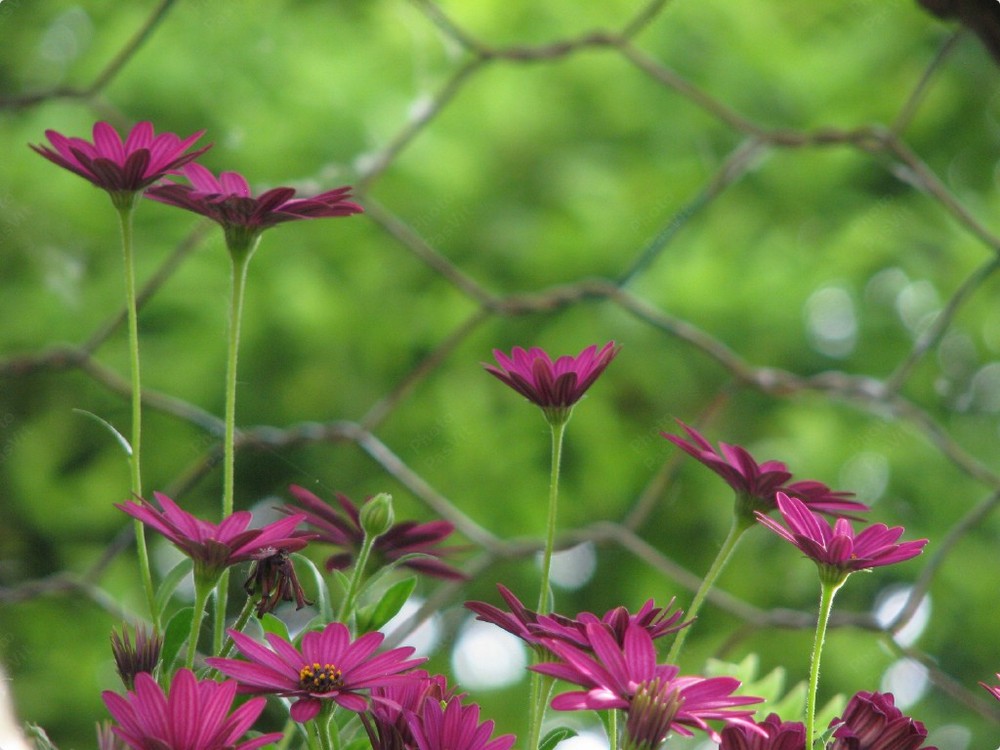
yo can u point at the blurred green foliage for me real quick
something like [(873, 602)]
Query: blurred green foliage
[(543, 169)]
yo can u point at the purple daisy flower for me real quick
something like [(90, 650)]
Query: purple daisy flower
[(627, 677), (871, 721), (837, 550), (756, 483), (214, 547), (329, 667), (229, 201), (533, 628), (121, 168), (455, 727), (343, 529), (770, 734), (193, 716), (553, 386), (387, 721)]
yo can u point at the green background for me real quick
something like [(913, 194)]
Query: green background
[(531, 177)]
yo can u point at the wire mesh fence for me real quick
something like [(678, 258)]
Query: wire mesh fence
[(792, 240)]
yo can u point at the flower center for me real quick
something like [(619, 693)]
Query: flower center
[(320, 679)]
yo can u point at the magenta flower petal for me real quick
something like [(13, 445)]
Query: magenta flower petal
[(756, 484), (455, 727), (193, 716), (121, 168), (871, 721), (553, 387), (343, 529), (837, 550), (330, 666), (229, 201), (214, 547)]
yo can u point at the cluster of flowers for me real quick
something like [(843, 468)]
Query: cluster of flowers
[(611, 660)]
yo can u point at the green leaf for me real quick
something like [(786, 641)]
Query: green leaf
[(557, 735), (169, 585), (374, 616), (271, 624), (126, 446), (322, 593), (175, 636), (38, 737)]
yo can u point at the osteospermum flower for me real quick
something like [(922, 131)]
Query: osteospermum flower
[(229, 201), (329, 667), (770, 734), (387, 720), (133, 658), (871, 721), (837, 550), (756, 484), (193, 716), (272, 577), (455, 727), (121, 168), (627, 677), (533, 628), (553, 386), (215, 547), (343, 529)]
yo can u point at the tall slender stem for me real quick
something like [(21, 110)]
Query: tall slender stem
[(240, 263), (558, 430), (347, 606), (125, 211), (827, 592), (239, 283), (725, 552), (202, 590)]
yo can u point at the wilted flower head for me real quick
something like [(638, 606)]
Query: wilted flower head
[(329, 667), (133, 658), (871, 721), (836, 550), (229, 201), (534, 628), (193, 716), (215, 547), (272, 578), (770, 734), (122, 169), (343, 529), (627, 677), (756, 484), (553, 386), (455, 727)]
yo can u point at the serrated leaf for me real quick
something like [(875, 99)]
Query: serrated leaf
[(271, 624), (557, 735), (175, 636), (126, 446), (374, 616), (169, 585)]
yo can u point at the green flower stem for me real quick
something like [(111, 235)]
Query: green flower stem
[(541, 689), (346, 612), (125, 209), (202, 590), (323, 722), (241, 261), (241, 622), (736, 531), (219, 613), (613, 729), (558, 430), (828, 590), (239, 282)]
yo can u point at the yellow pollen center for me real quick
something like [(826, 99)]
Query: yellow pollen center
[(320, 679)]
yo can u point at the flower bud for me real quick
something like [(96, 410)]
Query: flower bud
[(377, 516)]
